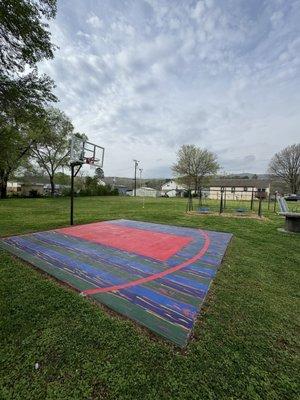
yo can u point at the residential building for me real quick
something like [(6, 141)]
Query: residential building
[(237, 189), (145, 192), (171, 188), (13, 188)]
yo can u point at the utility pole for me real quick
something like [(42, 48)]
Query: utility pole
[(141, 170), (136, 163)]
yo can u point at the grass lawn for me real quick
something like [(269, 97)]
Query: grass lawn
[(244, 344)]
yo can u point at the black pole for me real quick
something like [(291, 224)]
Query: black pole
[(221, 202), (269, 200), (72, 195), (259, 207), (252, 198), (275, 201), (224, 199)]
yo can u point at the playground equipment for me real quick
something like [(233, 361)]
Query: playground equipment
[(261, 195), (292, 219), (230, 201)]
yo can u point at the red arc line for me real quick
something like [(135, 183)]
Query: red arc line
[(153, 277)]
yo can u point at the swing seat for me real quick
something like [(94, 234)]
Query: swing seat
[(203, 210), (240, 210)]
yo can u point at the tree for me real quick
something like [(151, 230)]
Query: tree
[(25, 40), (17, 135), (286, 165), (54, 150), (194, 164), (99, 173)]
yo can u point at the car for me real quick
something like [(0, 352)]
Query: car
[(293, 197)]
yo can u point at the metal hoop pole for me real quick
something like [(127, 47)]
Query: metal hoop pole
[(72, 195)]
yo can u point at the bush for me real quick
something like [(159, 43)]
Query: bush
[(99, 191)]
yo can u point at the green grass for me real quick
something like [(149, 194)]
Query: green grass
[(244, 344)]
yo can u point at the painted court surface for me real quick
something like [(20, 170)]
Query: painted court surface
[(157, 275)]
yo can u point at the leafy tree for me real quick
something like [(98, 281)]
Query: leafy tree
[(25, 40), (194, 164), (99, 173), (53, 151), (16, 138), (286, 165), (92, 188), (62, 178)]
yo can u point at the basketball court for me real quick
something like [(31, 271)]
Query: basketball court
[(157, 275)]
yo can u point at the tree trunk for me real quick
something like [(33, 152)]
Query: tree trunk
[(52, 186), (3, 186)]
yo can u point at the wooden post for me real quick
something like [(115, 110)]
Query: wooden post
[(252, 198), (269, 201), (275, 202)]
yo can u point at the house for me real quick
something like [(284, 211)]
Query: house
[(122, 190), (13, 188), (237, 189), (25, 189), (145, 191), (171, 188), (58, 189), (32, 189)]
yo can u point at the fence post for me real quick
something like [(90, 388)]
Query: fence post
[(275, 202), (269, 200)]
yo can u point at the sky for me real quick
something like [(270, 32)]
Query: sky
[(144, 77)]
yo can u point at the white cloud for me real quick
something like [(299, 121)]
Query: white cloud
[(218, 74), (94, 21)]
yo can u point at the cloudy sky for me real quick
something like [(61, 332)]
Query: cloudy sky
[(143, 77)]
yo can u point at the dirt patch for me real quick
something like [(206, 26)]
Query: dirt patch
[(229, 215)]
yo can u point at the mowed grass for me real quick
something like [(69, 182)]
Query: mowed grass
[(245, 341)]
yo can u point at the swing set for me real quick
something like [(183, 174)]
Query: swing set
[(228, 200)]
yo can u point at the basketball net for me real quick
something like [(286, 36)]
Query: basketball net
[(90, 161)]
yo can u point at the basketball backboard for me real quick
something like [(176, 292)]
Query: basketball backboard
[(85, 152)]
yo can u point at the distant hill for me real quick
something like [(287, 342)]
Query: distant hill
[(129, 182), (245, 175)]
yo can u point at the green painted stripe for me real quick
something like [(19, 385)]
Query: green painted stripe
[(170, 331)]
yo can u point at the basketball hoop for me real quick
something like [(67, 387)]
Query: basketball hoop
[(90, 161), (83, 152)]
